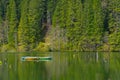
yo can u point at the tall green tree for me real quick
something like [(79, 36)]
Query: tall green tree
[(30, 26), (114, 25), (12, 22), (75, 27), (23, 26), (60, 21), (36, 17)]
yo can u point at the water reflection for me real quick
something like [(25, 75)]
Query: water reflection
[(64, 66)]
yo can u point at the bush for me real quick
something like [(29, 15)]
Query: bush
[(42, 47), (8, 48)]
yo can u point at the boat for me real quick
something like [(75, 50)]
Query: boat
[(30, 58)]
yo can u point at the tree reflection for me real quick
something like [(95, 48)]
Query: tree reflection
[(64, 66), (14, 69)]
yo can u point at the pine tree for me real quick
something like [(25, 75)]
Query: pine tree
[(58, 22), (29, 30), (75, 29), (12, 21), (114, 23), (35, 16), (23, 26), (93, 23)]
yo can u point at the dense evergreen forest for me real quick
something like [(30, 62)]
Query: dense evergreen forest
[(59, 25)]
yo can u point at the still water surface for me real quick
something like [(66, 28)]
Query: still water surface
[(63, 66)]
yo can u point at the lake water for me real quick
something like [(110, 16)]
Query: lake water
[(63, 66)]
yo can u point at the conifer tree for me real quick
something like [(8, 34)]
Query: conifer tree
[(36, 25), (114, 25), (23, 26), (12, 21), (92, 25), (30, 26)]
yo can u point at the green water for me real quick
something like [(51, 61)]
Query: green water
[(63, 66)]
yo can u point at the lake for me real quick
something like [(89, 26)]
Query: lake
[(63, 66)]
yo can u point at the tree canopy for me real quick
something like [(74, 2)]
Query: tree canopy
[(59, 25)]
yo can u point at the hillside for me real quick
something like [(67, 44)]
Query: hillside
[(59, 25)]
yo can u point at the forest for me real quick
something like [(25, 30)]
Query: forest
[(59, 25)]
